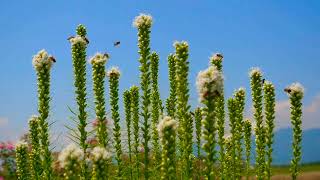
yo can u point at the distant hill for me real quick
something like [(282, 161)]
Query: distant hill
[(310, 146)]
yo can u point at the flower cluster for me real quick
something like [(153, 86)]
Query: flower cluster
[(99, 58), (142, 20), (114, 71), (99, 153), (41, 59), (295, 88), (78, 40), (209, 83), (167, 123), (71, 152), (255, 71)]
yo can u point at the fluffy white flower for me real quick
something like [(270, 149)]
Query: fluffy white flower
[(71, 152), (216, 57), (255, 71), (99, 58), (100, 153), (142, 20), (209, 82), (295, 88), (41, 59), (167, 123), (77, 39), (114, 71)]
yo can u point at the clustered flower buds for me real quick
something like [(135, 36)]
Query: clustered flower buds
[(41, 59), (142, 20), (78, 40), (99, 58), (209, 83), (113, 72), (69, 154)]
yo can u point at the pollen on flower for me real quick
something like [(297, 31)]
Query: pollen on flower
[(295, 88), (167, 123), (99, 58), (100, 153), (209, 83), (142, 20), (77, 39), (42, 59), (114, 71), (255, 71), (33, 119), (71, 153)]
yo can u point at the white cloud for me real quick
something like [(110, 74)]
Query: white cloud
[(310, 117)]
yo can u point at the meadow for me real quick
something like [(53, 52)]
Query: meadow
[(160, 134)]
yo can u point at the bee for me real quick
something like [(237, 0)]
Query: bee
[(263, 80), (86, 39), (69, 38), (116, 44), (192, 113), (51, 58), (288, 90), (106, 55), (219, 55)]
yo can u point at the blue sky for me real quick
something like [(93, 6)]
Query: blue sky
[(281, 37)]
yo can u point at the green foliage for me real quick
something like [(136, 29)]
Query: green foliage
[(35, 159), (23, 171)]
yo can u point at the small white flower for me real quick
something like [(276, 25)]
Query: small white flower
[(216, 57), (209, 82), (142, 20), (99, 58), (77, 39), (167, 123), (255, 71), (41, 59), (114, 71), (295, 88), (71, 152), (100, 153)]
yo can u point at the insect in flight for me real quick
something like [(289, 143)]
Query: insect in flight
[(116, 44), (51, 58), (287, 90)]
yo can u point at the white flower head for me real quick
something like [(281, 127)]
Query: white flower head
[(167, 123), (142, 20), (71, 152), (114, 71), (216, 57), (255, 71), (295, 88), (99, 58), (78, 39), (100, 153), (21, 145), (209, 83), (42, 59)]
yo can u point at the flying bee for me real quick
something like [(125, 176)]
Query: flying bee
[(116, 44), (288, 90), (51, 58)]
